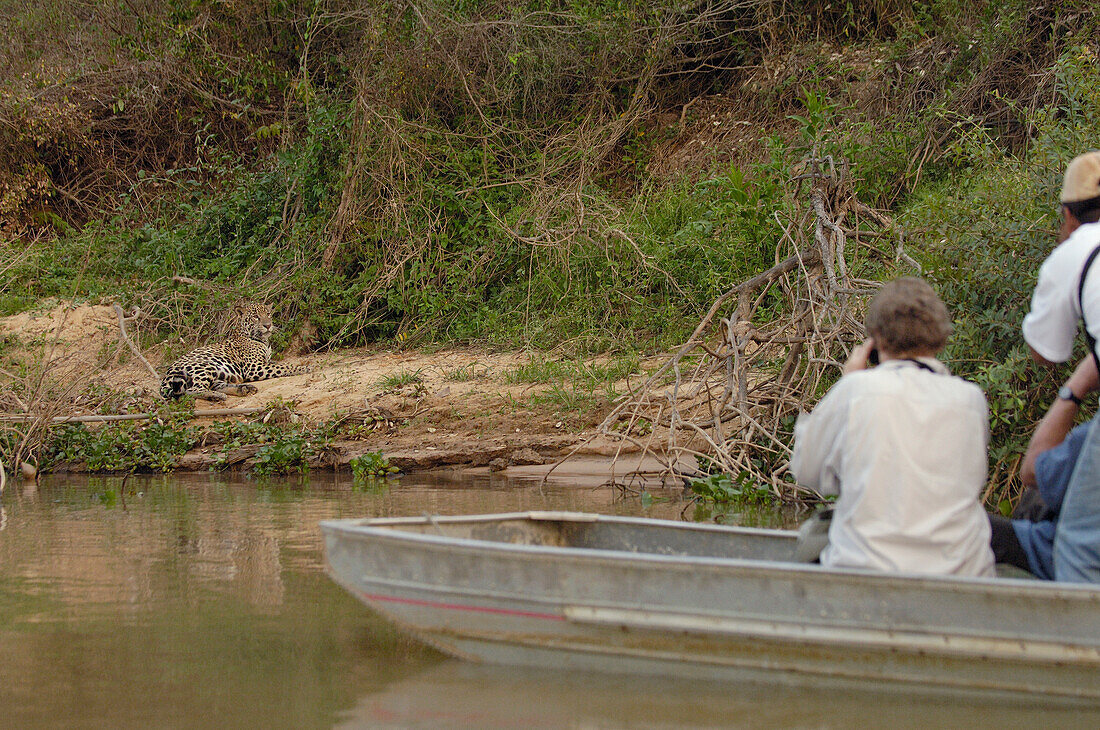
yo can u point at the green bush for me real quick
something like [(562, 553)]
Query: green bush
[(367, 468), (153, 445), (284, 448), (723, 489), (287, 454)]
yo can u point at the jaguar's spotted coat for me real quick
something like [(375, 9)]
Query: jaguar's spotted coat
[(212, 371)]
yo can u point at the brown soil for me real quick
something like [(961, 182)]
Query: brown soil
[(461, 411)]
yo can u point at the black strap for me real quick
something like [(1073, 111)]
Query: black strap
[(1081, 303), (919, 364)]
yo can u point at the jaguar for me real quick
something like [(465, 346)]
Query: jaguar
[(212, 371)]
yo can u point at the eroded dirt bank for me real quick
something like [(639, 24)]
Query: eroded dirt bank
[(423, 410)]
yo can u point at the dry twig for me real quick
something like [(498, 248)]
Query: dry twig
[(130, 343)]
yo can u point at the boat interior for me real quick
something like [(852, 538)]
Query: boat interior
[(586, 531)]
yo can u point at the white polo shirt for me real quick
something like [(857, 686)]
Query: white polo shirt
[(1051, 325), (905, 450)]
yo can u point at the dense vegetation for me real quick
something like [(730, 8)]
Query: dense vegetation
[(586, 174)]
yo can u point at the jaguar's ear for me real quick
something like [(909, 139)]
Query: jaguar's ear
[(238, 308)]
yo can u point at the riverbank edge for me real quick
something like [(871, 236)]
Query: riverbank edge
[(592, 461)]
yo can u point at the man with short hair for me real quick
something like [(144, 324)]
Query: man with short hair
[(903, 445), (1068, 290)]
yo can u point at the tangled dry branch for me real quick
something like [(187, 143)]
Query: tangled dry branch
[(727, 399)]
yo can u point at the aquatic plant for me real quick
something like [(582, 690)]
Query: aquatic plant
[(369, 466), (154, 444)]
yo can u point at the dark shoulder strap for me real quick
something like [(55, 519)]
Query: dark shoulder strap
[(1081, 303), (919, 364)]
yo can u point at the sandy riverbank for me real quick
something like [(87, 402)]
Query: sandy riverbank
[(459, 408)]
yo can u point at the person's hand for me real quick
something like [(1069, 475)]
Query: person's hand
[(1085, 378), (858, 359)]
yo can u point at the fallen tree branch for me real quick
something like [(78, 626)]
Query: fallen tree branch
[(96, 418), (725, 401), (766, 277), (129, 343)]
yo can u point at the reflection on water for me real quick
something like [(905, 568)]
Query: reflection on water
[(455, 694), (201, 601)]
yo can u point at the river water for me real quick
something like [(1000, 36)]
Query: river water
[(201, 601)]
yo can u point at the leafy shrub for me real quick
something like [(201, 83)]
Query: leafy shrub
[(287, 454), (367, 468), (153, 445), (284, 448), (723, 488)]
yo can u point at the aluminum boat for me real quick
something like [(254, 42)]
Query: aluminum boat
[(659, 597)]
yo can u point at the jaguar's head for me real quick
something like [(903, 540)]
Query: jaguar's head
[(254, 320)]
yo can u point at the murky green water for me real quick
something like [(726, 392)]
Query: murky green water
[(201, 601)]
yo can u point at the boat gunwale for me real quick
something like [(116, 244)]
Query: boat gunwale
[(378, 528), (558, 516)]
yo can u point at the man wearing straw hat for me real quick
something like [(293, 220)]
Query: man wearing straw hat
[(1068, 291)]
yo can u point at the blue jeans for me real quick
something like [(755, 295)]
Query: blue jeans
[(1077, 542)]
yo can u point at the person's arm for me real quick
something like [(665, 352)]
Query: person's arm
[(1039, 359), (1060, 417), (1050, 326), (818, 440), (809, 453), (859, 357)]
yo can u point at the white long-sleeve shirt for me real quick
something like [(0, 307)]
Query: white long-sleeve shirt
[(905, 450)]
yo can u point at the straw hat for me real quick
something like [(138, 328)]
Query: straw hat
[(1082, 181)]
